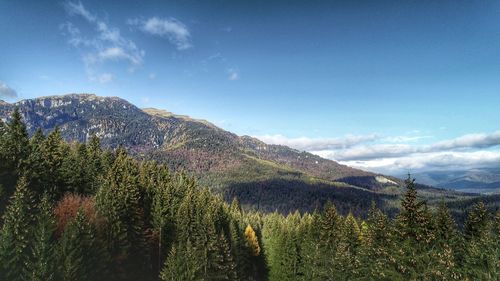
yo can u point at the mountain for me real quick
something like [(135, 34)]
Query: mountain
[(262, 176), (480, 180)]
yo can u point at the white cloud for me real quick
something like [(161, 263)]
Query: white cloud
[(317, 144), (469, 141), (105, 78), (74, 8), (6, 91), (450, 160), (389, 154), (106, 44), (233, 74), (405, 139), (172, 29)]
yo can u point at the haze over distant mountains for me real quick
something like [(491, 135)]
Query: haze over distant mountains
[(482, 180), (265, 176)]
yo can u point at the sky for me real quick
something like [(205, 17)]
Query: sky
[(387, 86)]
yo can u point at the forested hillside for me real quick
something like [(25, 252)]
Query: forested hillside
[(75, 211), (264, 177)]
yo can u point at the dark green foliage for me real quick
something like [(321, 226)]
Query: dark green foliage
[(54, 151), (42, 266), (16, 235), (14, 150), (118, 202), (80, 255), (182, 264), (413, 219)]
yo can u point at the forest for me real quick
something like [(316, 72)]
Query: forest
[(77, 211)]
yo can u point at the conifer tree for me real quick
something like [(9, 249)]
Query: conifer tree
[(42, 264), (3, 128), (310, 247), (80, 255), (15, 236), (413, 220), (378, 248), (445, 225), (35, 169), (477, 221), (118, 202), (16, 141), (53, 151), (238, 249), (94, 166), (346, 256), (330, 226), (229, 267), (15, 150), (481, 260), (252, 241), (182, 264)]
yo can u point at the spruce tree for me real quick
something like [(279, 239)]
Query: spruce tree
[(477, 221), (54, 150), (80, 254), (330, 229), (346, 256), (35, 168), (42, 264), (378, 248), (445, 225), (414, 220), (16, 141), (118, 202), (481, 260), (14, 146), (238, 249), (182, 264), (16, 234), (94, 166), (310, 247)]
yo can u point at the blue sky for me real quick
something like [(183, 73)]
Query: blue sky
[(380, 85)]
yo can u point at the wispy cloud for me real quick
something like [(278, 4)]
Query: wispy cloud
[(233, 74), (106, 78), (6, 91), (170, 28), (105, 44), (317, 144)]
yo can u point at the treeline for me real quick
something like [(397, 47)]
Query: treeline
[(416, 245), (77, 212)]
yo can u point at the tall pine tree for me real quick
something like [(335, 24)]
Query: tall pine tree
[(16, 234)]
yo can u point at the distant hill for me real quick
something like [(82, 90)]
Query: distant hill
[(482, 180), (262, 176)]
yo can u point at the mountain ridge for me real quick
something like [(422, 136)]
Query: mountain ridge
[(237, 166)]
